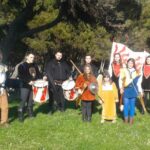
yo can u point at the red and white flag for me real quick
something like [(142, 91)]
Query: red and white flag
[(127, 53)]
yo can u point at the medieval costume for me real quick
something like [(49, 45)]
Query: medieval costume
[(57, 71), (28, 72), (130, 84), (108, 94), (87, 97), (146, 82)]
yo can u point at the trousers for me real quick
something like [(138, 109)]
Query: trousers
[(129, 107), (4, 107)]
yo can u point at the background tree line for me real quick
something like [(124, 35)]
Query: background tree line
[(76, 27)]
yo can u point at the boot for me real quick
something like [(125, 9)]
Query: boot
[(30, 112), (126, 120), (131, 121), (89, 119), (84, 118), (21, 115)]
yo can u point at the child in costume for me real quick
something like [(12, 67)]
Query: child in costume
[(83, 82), (108, 95), (130, 88)]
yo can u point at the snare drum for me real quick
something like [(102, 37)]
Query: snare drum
[(40, 91), (70, 93)]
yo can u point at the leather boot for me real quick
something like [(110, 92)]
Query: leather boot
[(131, 121), (21, 115), (30, 112), (126, 120)]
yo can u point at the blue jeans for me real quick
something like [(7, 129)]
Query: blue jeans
[(129, 107)]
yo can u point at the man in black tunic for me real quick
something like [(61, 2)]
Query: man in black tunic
[(28, 72), (57, 71)]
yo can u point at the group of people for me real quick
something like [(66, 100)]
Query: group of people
[(117, 88)]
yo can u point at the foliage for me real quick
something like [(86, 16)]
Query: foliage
[(75, 27)]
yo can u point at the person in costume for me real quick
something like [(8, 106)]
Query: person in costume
[(130, 88), (83, 82), (3, 94), (146, 81), (116, 66), (108, 95), (28, 72), (57, 71), (115, 73)]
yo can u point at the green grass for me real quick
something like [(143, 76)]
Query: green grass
[(66, 131)]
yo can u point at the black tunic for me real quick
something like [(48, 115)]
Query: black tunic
[(28, 72)]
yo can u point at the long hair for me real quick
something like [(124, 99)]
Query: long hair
[(106, 74), (120, 61), (146, 60), (133, 61), (87, 76)]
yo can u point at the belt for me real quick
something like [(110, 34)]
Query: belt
[(58, 82)]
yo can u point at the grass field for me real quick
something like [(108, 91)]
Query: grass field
[(66, 131)]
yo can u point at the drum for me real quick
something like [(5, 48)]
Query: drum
[(70, 93), (40, 91)]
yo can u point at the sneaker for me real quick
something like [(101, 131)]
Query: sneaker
[(113, 121), (102, 121)]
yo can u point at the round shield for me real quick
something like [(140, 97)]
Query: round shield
[(93, 87)]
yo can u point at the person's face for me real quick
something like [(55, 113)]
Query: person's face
[(88, 59), (117, 58), (58, 56), (148, 60), (87, 70), (130, 64), (30, 58), (106, 79)]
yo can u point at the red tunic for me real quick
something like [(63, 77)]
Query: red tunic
[(146, 71), (86, 95), (116, 69)]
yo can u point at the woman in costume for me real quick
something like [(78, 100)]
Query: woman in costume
[(146, 80), (115, 73), (130, 88), (83, 82), (108, 94)]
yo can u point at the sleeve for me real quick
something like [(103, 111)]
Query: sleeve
[(79, 82), (23, 73), (115, 91), (49, 70), (139, 86), (39, 75), (121, 78), (101, 93)]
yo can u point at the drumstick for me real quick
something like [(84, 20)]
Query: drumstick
[(75, 66)]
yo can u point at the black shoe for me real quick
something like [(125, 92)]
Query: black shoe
[(20, 116), (62, 110), (30, 112)]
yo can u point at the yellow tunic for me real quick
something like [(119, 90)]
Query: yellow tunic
[(109, 95)]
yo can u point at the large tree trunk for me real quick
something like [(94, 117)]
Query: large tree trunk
[(14, 33)]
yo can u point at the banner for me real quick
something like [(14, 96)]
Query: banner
[(127, 53)]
